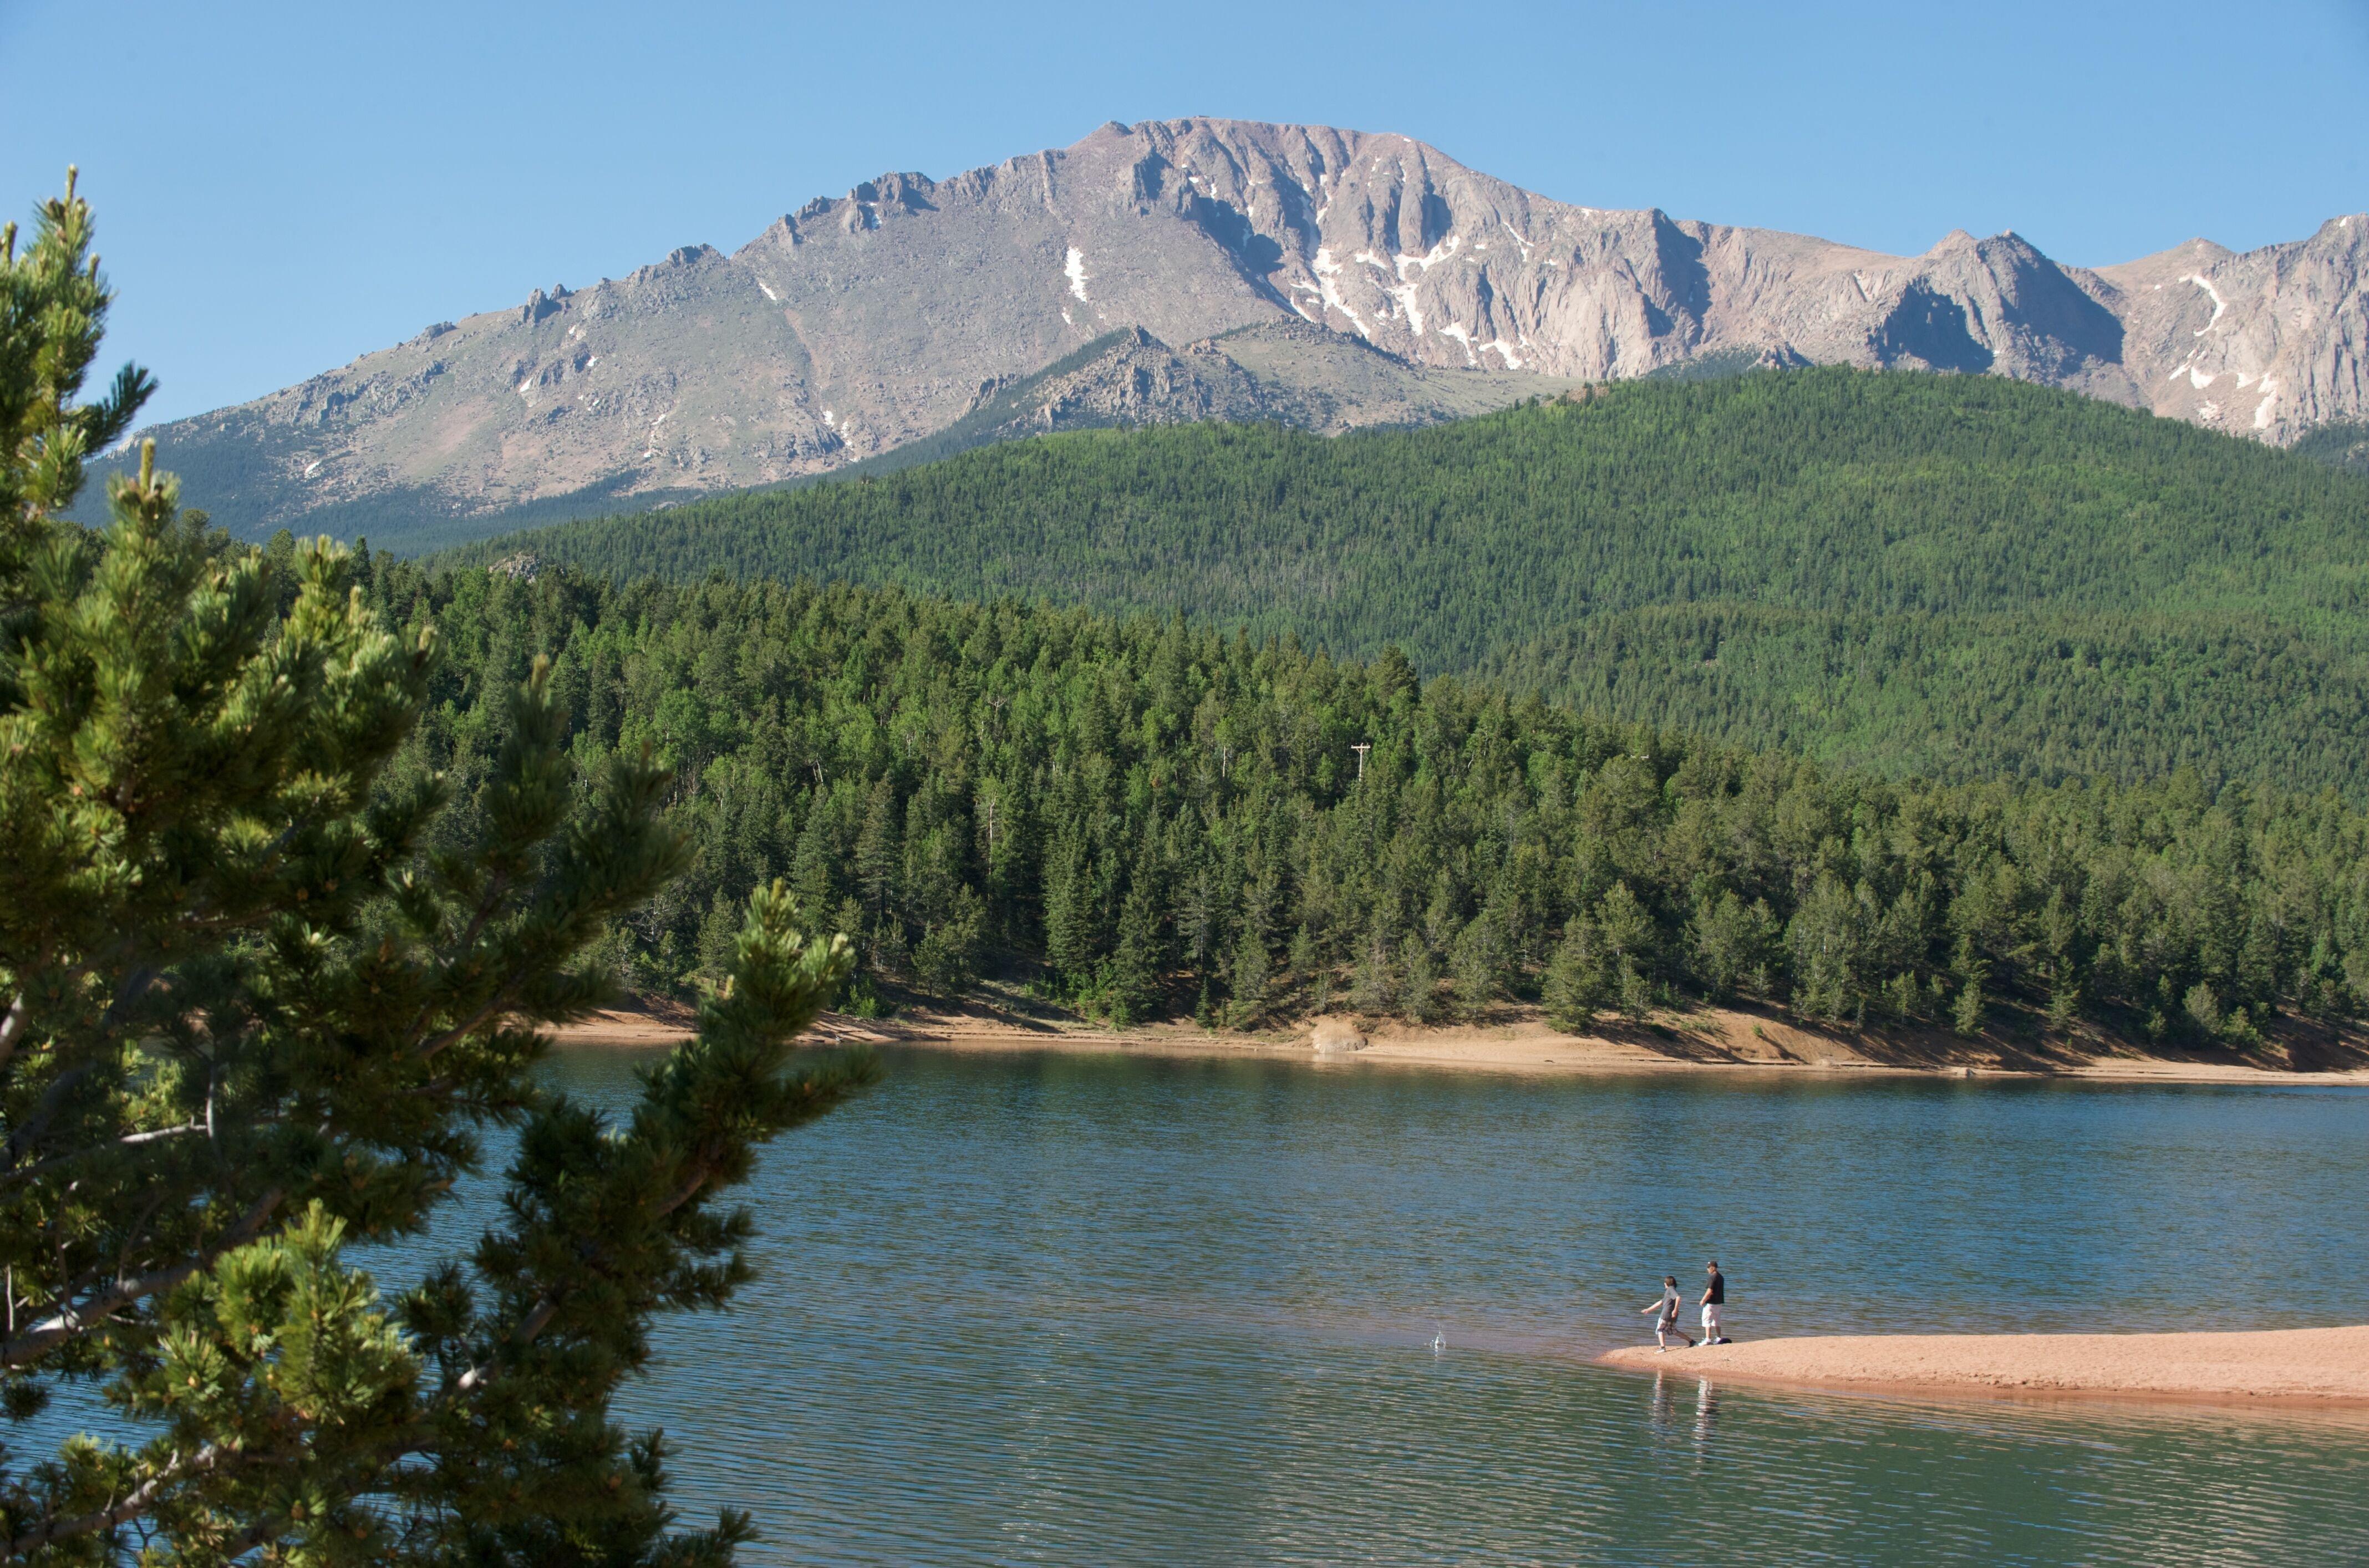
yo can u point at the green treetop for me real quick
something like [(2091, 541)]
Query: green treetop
[(261, 997)]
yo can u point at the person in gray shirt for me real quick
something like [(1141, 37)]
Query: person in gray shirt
[(1669, 1307)]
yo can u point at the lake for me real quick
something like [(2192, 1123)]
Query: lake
[(1047, 1308)]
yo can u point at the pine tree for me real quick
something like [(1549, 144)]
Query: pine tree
[(1249, 978), (1135, 990), (53, 306), (1307, 970), (719, 938), (1419, 1001), (1069, 909), (1733, 944), (1829, 936), (1480, 967), (946, 958), (817, 875), (1374, 988), (251, 1016), (1576, 982), (880, 853)]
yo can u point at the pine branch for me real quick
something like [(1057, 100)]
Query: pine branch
[(21, 1137), (434, 1044), (546, 1307), (106, 420), (129, 1140), (821, 1089), (138, 1502), (68, 1319), (128, 993)]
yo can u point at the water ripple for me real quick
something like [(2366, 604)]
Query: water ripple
[(1053, 1310)]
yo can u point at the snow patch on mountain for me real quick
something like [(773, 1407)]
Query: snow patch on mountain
[(2219, 304)]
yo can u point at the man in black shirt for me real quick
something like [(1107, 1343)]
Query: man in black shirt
[(1714, 1297)]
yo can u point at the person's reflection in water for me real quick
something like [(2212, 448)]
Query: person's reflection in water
[(1662, 1417), (1706, 1413)]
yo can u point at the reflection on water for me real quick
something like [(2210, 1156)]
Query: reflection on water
[(1085, 1310)]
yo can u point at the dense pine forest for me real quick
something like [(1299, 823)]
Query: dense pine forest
[(1147, 818), (1958, 577), (2339, 444), (2049, 696)]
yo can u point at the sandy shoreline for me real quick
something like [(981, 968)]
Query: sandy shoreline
[(2323, 1367), (1720, 1042)]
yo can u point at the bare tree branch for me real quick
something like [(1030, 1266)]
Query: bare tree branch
[(12, 1026)]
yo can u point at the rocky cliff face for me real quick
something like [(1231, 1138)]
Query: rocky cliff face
[(1380, 281), (2269, 343)]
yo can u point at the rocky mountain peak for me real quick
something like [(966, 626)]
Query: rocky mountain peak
[(855, 324)]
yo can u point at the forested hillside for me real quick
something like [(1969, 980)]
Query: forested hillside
[(1989, 530), (2046, 695), (1151, 818)]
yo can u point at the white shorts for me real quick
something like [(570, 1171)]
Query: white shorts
[(1711, 1318)]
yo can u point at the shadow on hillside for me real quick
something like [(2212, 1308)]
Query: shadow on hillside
[(1682, 1042), (990, 1006)]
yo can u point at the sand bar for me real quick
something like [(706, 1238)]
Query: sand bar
[(2326, 1367)]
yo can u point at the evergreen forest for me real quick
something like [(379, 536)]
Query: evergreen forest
[(1949, 577), (2339, 444), (2044, 696), (1147, 818)]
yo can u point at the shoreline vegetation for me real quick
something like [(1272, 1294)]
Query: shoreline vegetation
[(1138, 821), (2308, 1367), (1184, 803), (1714, 1039)]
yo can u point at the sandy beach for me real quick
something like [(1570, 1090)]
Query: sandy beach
[(2324, 1367), (1711, 1040)]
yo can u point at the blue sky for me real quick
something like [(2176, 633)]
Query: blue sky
[(283, 187)]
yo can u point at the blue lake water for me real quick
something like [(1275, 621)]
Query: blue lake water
[(1081, 1309)]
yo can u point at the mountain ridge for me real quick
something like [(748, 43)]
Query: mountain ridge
[(858, 324)]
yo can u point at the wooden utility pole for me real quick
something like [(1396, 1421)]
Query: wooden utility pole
[(1361, 748)]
